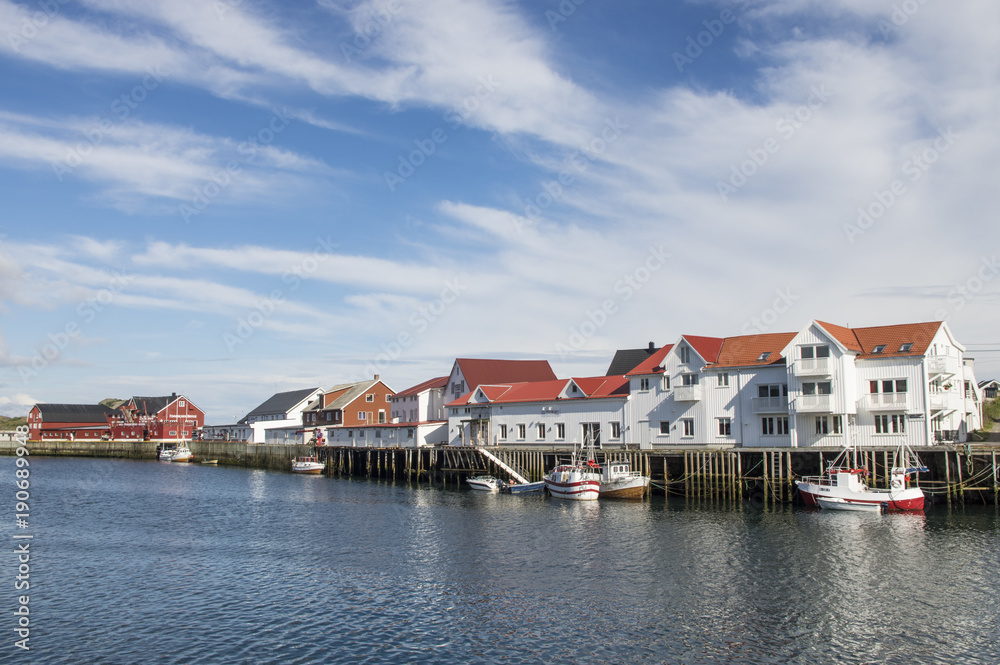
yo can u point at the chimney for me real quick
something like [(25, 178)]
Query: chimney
[(376, 377), (652, 347)]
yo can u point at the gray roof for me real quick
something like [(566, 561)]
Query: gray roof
[(353, 391), (627, 360), (74, 413), (152, 405), (281, 402)]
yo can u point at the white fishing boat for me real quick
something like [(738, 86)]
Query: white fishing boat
[(619, 481), (836, 503), (308, 465), (575, 481), (844, 479), (485, 483), (166, 454), (181, 454)]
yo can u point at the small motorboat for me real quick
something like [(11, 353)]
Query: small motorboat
[(619, 481), (485, 483), (836, 503), (308, 465), (524, 488), (182, 454), (166, 453), (210, 461)]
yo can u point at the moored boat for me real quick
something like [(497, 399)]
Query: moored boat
[(619, 481), (166, 453), (574, 481), (210, 461), (181, 454), (524, 488), (836, 503), (307, 465), (485, 483)]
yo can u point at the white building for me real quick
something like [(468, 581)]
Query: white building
[(279, 419), (417, 418)]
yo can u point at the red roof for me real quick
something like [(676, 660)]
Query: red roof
[(893, 337), (439, 382), (594, 387), (652, 364), (706, 347), (843, 335), (480, 371), (746, 350)]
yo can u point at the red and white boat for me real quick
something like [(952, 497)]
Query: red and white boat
[(842, 486), (576, 481)]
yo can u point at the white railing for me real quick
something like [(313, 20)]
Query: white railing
[(814, 403), (687, 393), (943, 365), (886, 401), (770, 404), (812, 367)]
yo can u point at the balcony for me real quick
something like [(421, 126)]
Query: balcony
[(941, 365), (941, 401), (687, 393), (886, 402), (814, 404), (770, 404), (812, 367)]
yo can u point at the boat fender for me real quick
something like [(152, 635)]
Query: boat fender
[(897, 484)]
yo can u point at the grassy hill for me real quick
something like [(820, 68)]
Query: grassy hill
[(112, 402), (10, 423)]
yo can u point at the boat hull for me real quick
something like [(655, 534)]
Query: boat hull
[(830, 503), (575, 483), (625, 488), (524, 488), (311, 469), (911, 498), (484, 483)]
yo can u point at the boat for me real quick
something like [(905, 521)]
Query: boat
[(182, 454), (619, 481), (836, 503), (210, 461), (166, 453), (523, 488), (576, 481), (485, 483), (309, 465), (844, 480)]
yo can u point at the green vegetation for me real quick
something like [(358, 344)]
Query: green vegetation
[(10, 423), (991, 413), (112, 402)]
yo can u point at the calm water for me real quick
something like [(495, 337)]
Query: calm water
[(149, 562)]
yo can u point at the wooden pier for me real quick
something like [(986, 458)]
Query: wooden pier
[(761, 476)]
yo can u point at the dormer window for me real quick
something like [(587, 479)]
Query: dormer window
[(764, 356), (573, 389), (905, 347), (879, 348), (685, 354)]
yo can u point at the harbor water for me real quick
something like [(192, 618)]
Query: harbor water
[(152, 562)]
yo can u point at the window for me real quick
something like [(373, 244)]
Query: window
[(685, 354), (369, 398), (822, 425), (815, 351), (723, 379), (821, 388), (879, 348), (888, 386), (503, 431), (725, 426), (772, 390), (387, 398), (838, 425), (180, 404), (689, 379), (767, 426), (574, 389), (903, 348), (381, 416), (782, 423), (643, 384), (882, 424), (560, 430), (541, 432), (616, 430), (522, 431), (764, 356), (409, 433), (898, 424), (361, 415), (688, 424), (664, 427), (666, 382)]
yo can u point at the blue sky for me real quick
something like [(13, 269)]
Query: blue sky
[(229, 198)]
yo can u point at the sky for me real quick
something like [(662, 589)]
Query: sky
[(230, 198)]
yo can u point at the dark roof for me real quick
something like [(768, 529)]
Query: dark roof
[(479, 371), (281, 402), (74, 413), (626, 360), (152, 405)]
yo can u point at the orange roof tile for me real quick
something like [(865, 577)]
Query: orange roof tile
[(746, 350), (478, 371), (651, 364), (707, 347), (843, 335), (438, 382), (893, 337)]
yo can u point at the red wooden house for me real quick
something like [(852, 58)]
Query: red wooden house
[(171, 418), (68, 422)]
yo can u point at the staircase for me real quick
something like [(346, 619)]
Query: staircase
[(503, 465)]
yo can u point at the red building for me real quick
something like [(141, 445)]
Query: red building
[(169, 418), (350, 405), (68, 422)]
